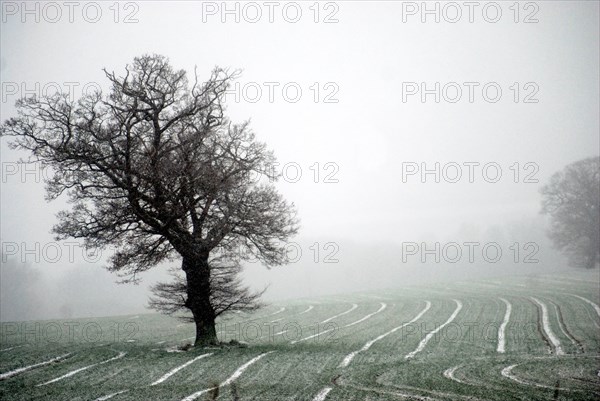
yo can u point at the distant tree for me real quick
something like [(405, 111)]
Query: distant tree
[(572, 199), (157, 171)]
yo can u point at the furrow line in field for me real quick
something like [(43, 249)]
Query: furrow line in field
[(437, 393), (354, 306), (507, 372), (74, 372), (177, 369), (563, 327), (393, 393), (429, 335), (15, 372), (540, 327), (382, 307), (222, 328), (9, 348), (109, 396), (307, 310), (596, 307), (368, 345), (229, 380), (322, 394), (502, 330), (546, 326), (449, 374), (285, 331)]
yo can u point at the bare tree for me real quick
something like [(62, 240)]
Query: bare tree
[(156, 170), (572, 199), (227, 293)]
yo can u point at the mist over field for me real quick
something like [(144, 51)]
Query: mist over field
[(85, 289), (365, 123)]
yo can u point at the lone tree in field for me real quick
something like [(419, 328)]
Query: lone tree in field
[(157, 171), (572, 199)]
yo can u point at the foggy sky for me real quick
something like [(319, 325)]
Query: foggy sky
[(368, 56)]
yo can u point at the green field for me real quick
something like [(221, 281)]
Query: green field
[(436, 342)]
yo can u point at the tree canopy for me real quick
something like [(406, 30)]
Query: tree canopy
[(156, 170), (572, 199)]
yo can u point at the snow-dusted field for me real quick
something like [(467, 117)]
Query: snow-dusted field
[(442, 342)]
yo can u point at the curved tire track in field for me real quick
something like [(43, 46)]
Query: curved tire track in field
[(563, 327), (223, 327), (596, 307), (381, 308), (310, 307), (109, 396), (368, 345), (449, 374), (401, 391), (507, 372), (229, 380), (540, 328), (354, 306), (74, 372), (322, 394), (8, 349), (275, 313), (285, 331), (177, 369), (393, 393), (502, 329), (280, 310), (18, 371), (553, 340), (429, 335)]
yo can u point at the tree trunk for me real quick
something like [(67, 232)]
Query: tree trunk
[(197, 272)]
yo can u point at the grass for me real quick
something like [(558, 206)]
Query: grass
[(299, 371)]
